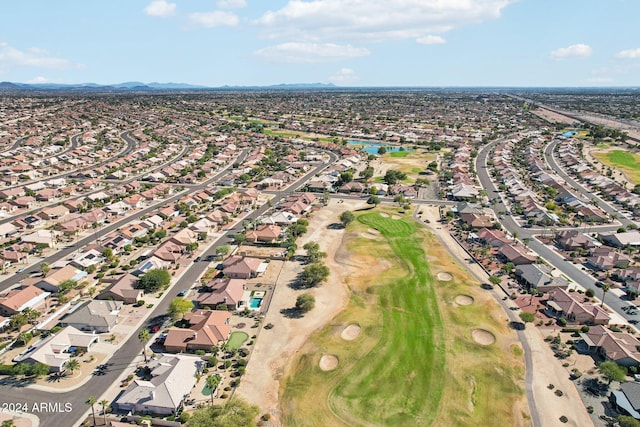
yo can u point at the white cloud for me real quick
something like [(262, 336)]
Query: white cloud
[(160, 8), (310, 52), (33, 57), (344, 76), (231, 4), (339, 20), (430, 39), (574, 51), (39, 79), (214, 19), (629, 54)]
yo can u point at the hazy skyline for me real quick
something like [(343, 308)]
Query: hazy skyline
[(345, 42)]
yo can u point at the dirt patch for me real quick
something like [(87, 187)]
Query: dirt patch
[(444, 277), (464, 300), (351, 332), (328, 362), (483, 337)]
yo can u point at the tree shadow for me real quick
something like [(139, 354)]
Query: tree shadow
[(291, 313), (57, 377), (335, 226), (518, 326)]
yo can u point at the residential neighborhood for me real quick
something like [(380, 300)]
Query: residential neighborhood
[(162, 260)]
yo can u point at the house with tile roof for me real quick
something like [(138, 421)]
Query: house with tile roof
[(565, 304), (223, 291), (16, 300), (206, 329)]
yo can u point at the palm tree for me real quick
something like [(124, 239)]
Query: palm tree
[(605, 289), (105, 405), (92, 401), (143, 337), (212, 384), (72, 365)]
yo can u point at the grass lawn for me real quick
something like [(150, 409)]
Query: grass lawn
[(399, 153), (628, 163), (237, 338), (415, 362)]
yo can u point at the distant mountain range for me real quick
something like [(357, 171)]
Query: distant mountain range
[(144, 87)]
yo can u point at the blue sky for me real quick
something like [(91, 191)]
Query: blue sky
[(345, 42)]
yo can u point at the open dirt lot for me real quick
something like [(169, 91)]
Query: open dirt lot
[(275, 347)]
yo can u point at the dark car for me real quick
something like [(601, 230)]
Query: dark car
[(209, 258), (183, 292), (196, 259)]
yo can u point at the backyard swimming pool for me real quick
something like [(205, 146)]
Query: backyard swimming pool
[(255, 303)]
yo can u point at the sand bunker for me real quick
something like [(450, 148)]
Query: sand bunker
[(396, 217), (328, 362), (444, 277), (369, 236), (481, 336), (373, 231), (384, 214), (351, 332), (464, 300)]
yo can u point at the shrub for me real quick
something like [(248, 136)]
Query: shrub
[(584, 329), (590, 293), (562, 321)]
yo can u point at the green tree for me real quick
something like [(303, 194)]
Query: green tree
[(373, 200), (17, 321), (305, 302), (212, 383), (105, 408), (22, 368), (72, 365), (612, 371), (155, 279), (234, 413), (393, 176), (314, 274), (8, 423), (92, 401), (107, 254), (223, 250), (605, 289), (314, 254), (347, 217), (382, 150), (527, 317), (627, 421), (45, 268), (144, 336), (39, 370), (178, 307), (495, 279)]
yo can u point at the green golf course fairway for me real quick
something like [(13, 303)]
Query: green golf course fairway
[(396, 372)]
